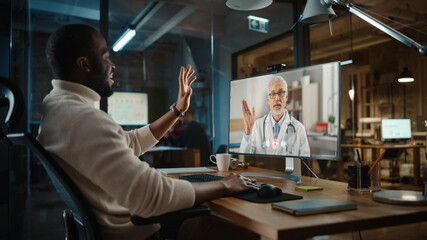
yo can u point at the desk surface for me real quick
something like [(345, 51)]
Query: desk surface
[(273, 224)]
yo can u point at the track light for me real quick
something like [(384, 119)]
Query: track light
[(124, 39)]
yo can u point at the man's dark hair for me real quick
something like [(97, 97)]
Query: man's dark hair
[(65, 45)]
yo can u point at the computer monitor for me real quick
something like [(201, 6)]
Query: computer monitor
[(128, 108), (394, 129), (308, 100)]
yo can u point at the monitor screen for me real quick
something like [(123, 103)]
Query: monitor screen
[(396, 128), (305, 104), (128, 108)]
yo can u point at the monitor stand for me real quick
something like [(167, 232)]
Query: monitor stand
[(293, 165)]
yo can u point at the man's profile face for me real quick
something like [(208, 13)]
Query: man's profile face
[(277, 98), (102, 79)]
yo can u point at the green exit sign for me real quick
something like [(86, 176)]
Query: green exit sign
[(258, 24)]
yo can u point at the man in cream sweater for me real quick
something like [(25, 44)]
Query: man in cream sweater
[(102, 158)]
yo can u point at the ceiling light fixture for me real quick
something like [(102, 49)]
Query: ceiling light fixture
[(405, 76), (248, 5), (124, 39), (147, 11)]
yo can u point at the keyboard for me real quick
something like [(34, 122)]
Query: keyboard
[(201, 178)]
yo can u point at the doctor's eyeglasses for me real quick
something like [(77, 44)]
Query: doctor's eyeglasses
[(280, 94)]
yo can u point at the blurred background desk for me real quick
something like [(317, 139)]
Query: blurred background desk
[(171, 157), (376, 149)]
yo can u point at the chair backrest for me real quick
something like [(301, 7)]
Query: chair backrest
[(11, 98), (84, 218)]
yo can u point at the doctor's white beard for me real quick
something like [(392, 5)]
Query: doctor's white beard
[(277, 112)]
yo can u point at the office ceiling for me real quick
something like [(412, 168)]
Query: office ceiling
[(193, 18), (184, 17)]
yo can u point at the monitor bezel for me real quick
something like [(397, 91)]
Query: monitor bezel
[(319, 157)]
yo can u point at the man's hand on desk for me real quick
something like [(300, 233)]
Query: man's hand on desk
[(236, 184), (230, 185)]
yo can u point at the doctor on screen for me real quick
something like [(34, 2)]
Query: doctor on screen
[(276, 133)]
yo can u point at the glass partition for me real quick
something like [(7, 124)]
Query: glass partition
[(169, 34)]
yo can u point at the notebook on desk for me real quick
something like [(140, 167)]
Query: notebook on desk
[(315, 206), (185, 170)]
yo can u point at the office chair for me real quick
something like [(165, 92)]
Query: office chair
[(10, 96), (170, 222), (80, 221)]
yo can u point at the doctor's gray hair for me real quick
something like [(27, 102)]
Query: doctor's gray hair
[(278, 79)]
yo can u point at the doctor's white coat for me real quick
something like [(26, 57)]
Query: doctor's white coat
[(292, 140)]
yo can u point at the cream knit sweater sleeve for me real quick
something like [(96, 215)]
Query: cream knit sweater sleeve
[(140, 140)]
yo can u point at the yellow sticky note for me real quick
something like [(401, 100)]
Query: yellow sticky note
[(308, 188)]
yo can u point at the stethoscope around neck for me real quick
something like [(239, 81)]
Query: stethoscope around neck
[(264, 140)]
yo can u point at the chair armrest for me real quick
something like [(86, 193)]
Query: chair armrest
[(177, 216)]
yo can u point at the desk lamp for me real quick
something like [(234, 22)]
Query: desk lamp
[(317, 11), (321, 11)]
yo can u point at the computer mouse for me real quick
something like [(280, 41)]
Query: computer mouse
[(269, 191)]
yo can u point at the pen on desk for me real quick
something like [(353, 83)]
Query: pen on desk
[(376, 162)]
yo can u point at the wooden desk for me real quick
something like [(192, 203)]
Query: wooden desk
[(376, 148), (274, 224)]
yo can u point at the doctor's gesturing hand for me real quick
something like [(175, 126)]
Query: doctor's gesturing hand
[(248, 117)]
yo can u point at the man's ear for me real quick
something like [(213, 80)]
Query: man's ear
[(83, 64)]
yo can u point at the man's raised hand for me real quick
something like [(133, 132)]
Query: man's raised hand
[(185, 90)]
